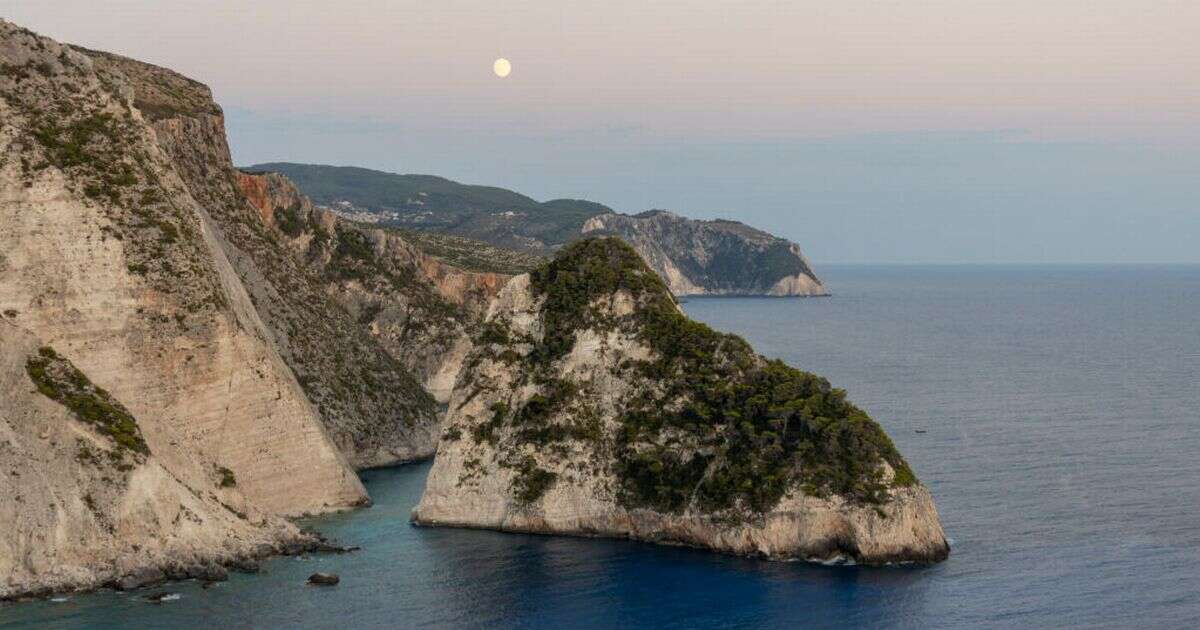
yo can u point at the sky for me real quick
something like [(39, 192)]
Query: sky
[(944, 131)]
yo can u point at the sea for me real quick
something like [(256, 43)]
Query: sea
[(1053, 411)]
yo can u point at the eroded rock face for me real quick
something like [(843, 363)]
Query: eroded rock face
[(112, 256), (80, 508), (112, 260), (420, 308), (712, 257), (594, 407), (370, 405)]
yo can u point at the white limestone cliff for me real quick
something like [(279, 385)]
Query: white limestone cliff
[(484, 469), (108, 257)]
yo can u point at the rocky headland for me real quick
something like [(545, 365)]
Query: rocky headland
[(592, 406), (712, 257)]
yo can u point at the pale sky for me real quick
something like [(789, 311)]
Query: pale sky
[(916, 131)]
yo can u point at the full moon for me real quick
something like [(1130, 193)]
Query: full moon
[(502, 67)]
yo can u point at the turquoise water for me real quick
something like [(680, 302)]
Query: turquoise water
[(1062, 419)]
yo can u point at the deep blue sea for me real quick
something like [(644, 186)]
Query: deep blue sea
[(1061, 410)]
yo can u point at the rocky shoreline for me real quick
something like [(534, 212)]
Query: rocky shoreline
[(207, 570), (827, 554), (906, 531)]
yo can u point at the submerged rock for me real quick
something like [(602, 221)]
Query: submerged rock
[(594, 407), (323, 579)]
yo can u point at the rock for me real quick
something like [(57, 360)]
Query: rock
[(209, 573), (141, 578), (159, 598), (420, 292), (140, 288), (325, 547), (246, 565), (712, 257), (294, 548), (323, 579), (321, 544), (599, 409)]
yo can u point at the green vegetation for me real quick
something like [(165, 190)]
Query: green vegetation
[(583, 272), (160, 93), (428, 203), (57, 379), (353, 257), (226, 478), (531, 482), (471, 254), (486, 431), (289, 221), (715, 427), (68, 145)]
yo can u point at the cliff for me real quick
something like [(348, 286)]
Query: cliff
[(371, 406), (712, 257), (594, 407), (85, 500), (129, 254), (420, 308)]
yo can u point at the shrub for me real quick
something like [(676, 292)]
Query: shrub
[(718, 428), (59, 380), (226, 478), (531, 482)]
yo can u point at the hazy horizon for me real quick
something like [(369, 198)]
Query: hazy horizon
[(919, 132)]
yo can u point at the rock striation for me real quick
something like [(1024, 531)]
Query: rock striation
[(86, 501), (712, 257), (202, 383), (592, 406), (370, 405), (109, 257)]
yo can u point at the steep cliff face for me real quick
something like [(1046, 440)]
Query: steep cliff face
[(109, 257), (712, 257), (594, 407), (420, 308), (84, 500), (373, 409), (108, 254)]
